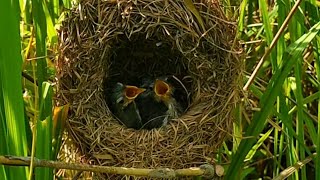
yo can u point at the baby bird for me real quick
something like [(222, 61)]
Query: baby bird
[(156, 105), (164, 93), (123, 105)]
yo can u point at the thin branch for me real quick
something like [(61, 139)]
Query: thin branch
[(290, 170), (273, 43), (205, 170), (29, 78), (35, 120)]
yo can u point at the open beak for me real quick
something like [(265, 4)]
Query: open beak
[(131, 92), (161, 88)]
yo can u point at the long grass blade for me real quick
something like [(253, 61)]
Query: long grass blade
[(314, 18), (51, 32), (12, 111), (258, 144), (40, 25), (296, 31), (242, 15), (3, 135), (189, 4), (268, 30), (44, 132), (317, 62), (294, 52), (59, 120)]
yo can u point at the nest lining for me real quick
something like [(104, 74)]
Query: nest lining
[(95, 41)]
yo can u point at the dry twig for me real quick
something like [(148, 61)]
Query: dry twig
[(204, 170)]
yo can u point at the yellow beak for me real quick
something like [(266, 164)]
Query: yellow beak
[(131, 92), (162, 90)]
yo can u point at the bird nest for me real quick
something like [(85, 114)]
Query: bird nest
[(103, 42)]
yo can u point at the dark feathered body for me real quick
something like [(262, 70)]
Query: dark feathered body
[(126, 112), (157, 106), (153, 113)]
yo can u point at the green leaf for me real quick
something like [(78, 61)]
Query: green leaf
[(60, 116), (267, 26), (246, 172), (242, 15), (12, 111), (44, 132), (189, 4), (294, 51), (51, 32), (253, 150), (3, 134), (40, 24)]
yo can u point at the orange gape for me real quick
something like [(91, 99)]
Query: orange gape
[(131, 92), (161, 88)]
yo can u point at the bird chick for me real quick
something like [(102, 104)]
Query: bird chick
[(164, 93), (123, 105), (156, 105)]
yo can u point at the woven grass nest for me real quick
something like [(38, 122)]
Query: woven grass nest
[(105, 41)]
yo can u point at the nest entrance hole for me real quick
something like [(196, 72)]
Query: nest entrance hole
[(139, 58)]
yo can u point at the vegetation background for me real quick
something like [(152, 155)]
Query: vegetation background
[(276, 132)]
